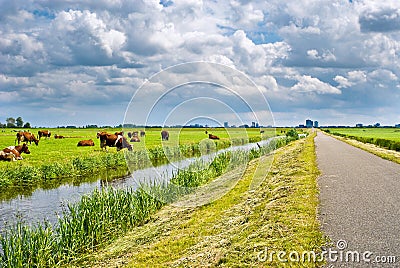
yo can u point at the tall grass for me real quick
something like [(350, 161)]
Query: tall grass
[(107, 213)]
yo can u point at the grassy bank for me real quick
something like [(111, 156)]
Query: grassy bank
[(100, 217), (388, 138), (392, 134), (280, 214)]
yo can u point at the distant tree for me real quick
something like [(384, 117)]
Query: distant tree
[(10, 122), (27, 125), (20, 122)]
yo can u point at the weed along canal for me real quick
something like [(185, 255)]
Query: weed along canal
[(48, 204)]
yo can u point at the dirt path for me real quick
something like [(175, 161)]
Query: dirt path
[(360, 202)]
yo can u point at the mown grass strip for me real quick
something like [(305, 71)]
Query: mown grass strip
[(280, 215), (105, 214)]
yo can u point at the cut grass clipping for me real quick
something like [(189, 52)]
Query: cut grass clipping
[(106, 214)]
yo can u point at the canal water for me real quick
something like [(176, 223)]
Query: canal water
[(47, 204)]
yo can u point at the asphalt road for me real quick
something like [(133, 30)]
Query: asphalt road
[(360, 204)]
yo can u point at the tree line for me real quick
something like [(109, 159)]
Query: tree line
[(11, 122)]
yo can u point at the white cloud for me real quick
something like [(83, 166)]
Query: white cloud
[(342, 81), (105, 49), (307, 83)]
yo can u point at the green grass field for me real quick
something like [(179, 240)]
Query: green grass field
[(63, 150), (376, 133)]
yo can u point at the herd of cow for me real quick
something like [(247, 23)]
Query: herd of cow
[(117, 139)]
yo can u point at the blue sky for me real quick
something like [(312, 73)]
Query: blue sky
[(77, 63)]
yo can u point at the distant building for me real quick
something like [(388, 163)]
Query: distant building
[(315, 124), (253, 124), (226, 124), (359, 125), (257, 125), (377, 125), (309, 123)]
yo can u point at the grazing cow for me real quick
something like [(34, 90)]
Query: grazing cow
[(26, 136), (142, 133), (13, 153), (86, 143), (213, 137), (164, 135), (120, 133), (262, 131), (135, 139), (129, 134), (44, 133), (113, 140), (58, 137)]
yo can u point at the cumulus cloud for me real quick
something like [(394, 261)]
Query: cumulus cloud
[(386, 19), (307, 83), (97, 53)]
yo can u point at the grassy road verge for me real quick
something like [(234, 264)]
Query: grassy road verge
[(279, 215), (390, 155)]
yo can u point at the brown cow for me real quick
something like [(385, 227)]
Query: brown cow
[(44, 133), (26, 136), (113, 140), (213, 137), (164, 135), (58, 137), (135, 139), (86, 143), (13, 153)]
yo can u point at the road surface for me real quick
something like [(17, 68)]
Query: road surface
[(360, 204)]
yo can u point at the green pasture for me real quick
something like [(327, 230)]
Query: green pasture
[(376, 133), (52, 150)]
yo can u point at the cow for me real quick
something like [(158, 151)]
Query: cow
[(44, 133), (262, 131), (142, 133), (213, 137), (26, 136), (58, 137), (113, 140), (86, 143), (129, 134), (13, 153), (135, 139), (164, 135)]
